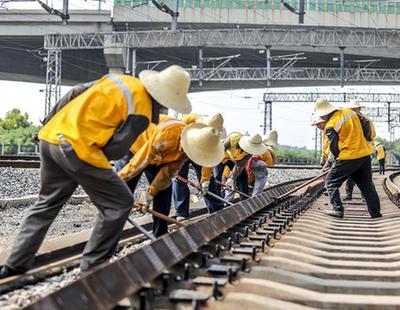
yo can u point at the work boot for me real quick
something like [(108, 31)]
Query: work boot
[(375, 216), (335, 213), (6, 271), (181, 218)]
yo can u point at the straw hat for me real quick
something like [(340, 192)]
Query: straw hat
[(271, 138), (169, 87), (354, 104), (317, 120), (202, 144), (253, 145), (323, 107), (216, 121)]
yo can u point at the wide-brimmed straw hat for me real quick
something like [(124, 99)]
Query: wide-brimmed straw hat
[(317, 120), (169, 87), (354, 104), (253, 145), (216, 121), (271, 138), (202, 144), (323, 107)]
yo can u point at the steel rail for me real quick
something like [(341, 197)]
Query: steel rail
[(110, 282)]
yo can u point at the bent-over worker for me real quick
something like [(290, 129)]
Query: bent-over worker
[(91, 125)]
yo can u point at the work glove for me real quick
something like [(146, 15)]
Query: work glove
[(145, 201), (205, 186), (230, 183)]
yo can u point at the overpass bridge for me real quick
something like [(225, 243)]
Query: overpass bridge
[(88, 46)]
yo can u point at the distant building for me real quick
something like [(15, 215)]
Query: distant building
[(356, 13)]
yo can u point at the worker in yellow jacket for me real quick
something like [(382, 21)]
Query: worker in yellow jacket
[(235, 159), (369, 133), (180, 190), (257, 165), (238, 150), (92, 124), (352, 152), (380, 156), (170, 144)]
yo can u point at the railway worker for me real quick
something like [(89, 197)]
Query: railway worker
[(239, 150), (380, 156), (257, 165), (180, 190), (356, 106), (89, 126), (351, 150), (162, 156)]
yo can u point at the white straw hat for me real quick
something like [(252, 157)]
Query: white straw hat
[(317, 120), (169, 87), (271, 138), (202, 144), (354, 104), (216, 121), (253, 145), (323, 107)]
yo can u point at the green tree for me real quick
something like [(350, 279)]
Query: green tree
[(16, 128), (15, 119)]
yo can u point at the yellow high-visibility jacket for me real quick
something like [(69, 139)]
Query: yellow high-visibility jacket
[(89, 120), (380, 152), (346, 136), (232, 149), (163, 148), (325, 147), (191, 118)]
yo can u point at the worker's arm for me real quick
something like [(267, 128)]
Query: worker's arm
[(366, 126), (138, 162), (69, 96), (163, 179), (206, 174), (333, 138), (239, 166)]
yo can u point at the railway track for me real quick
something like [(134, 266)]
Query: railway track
[(262, 253), (228, 247), (46, 264)]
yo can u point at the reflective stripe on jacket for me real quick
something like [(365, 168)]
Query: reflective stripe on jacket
[(90, 120), (163, 148), (346, 136)]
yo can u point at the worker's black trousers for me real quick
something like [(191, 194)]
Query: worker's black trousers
[(161, 202), (382, 166), (359, 170)]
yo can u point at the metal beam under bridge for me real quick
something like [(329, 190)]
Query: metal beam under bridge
[(290, 36)]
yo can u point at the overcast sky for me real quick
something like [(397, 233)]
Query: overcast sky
[(242, 109)]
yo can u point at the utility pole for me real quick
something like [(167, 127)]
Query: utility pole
[(268, 56), (301, 12), (267, 116), (388, 119), (342, 66), (175, 14)]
